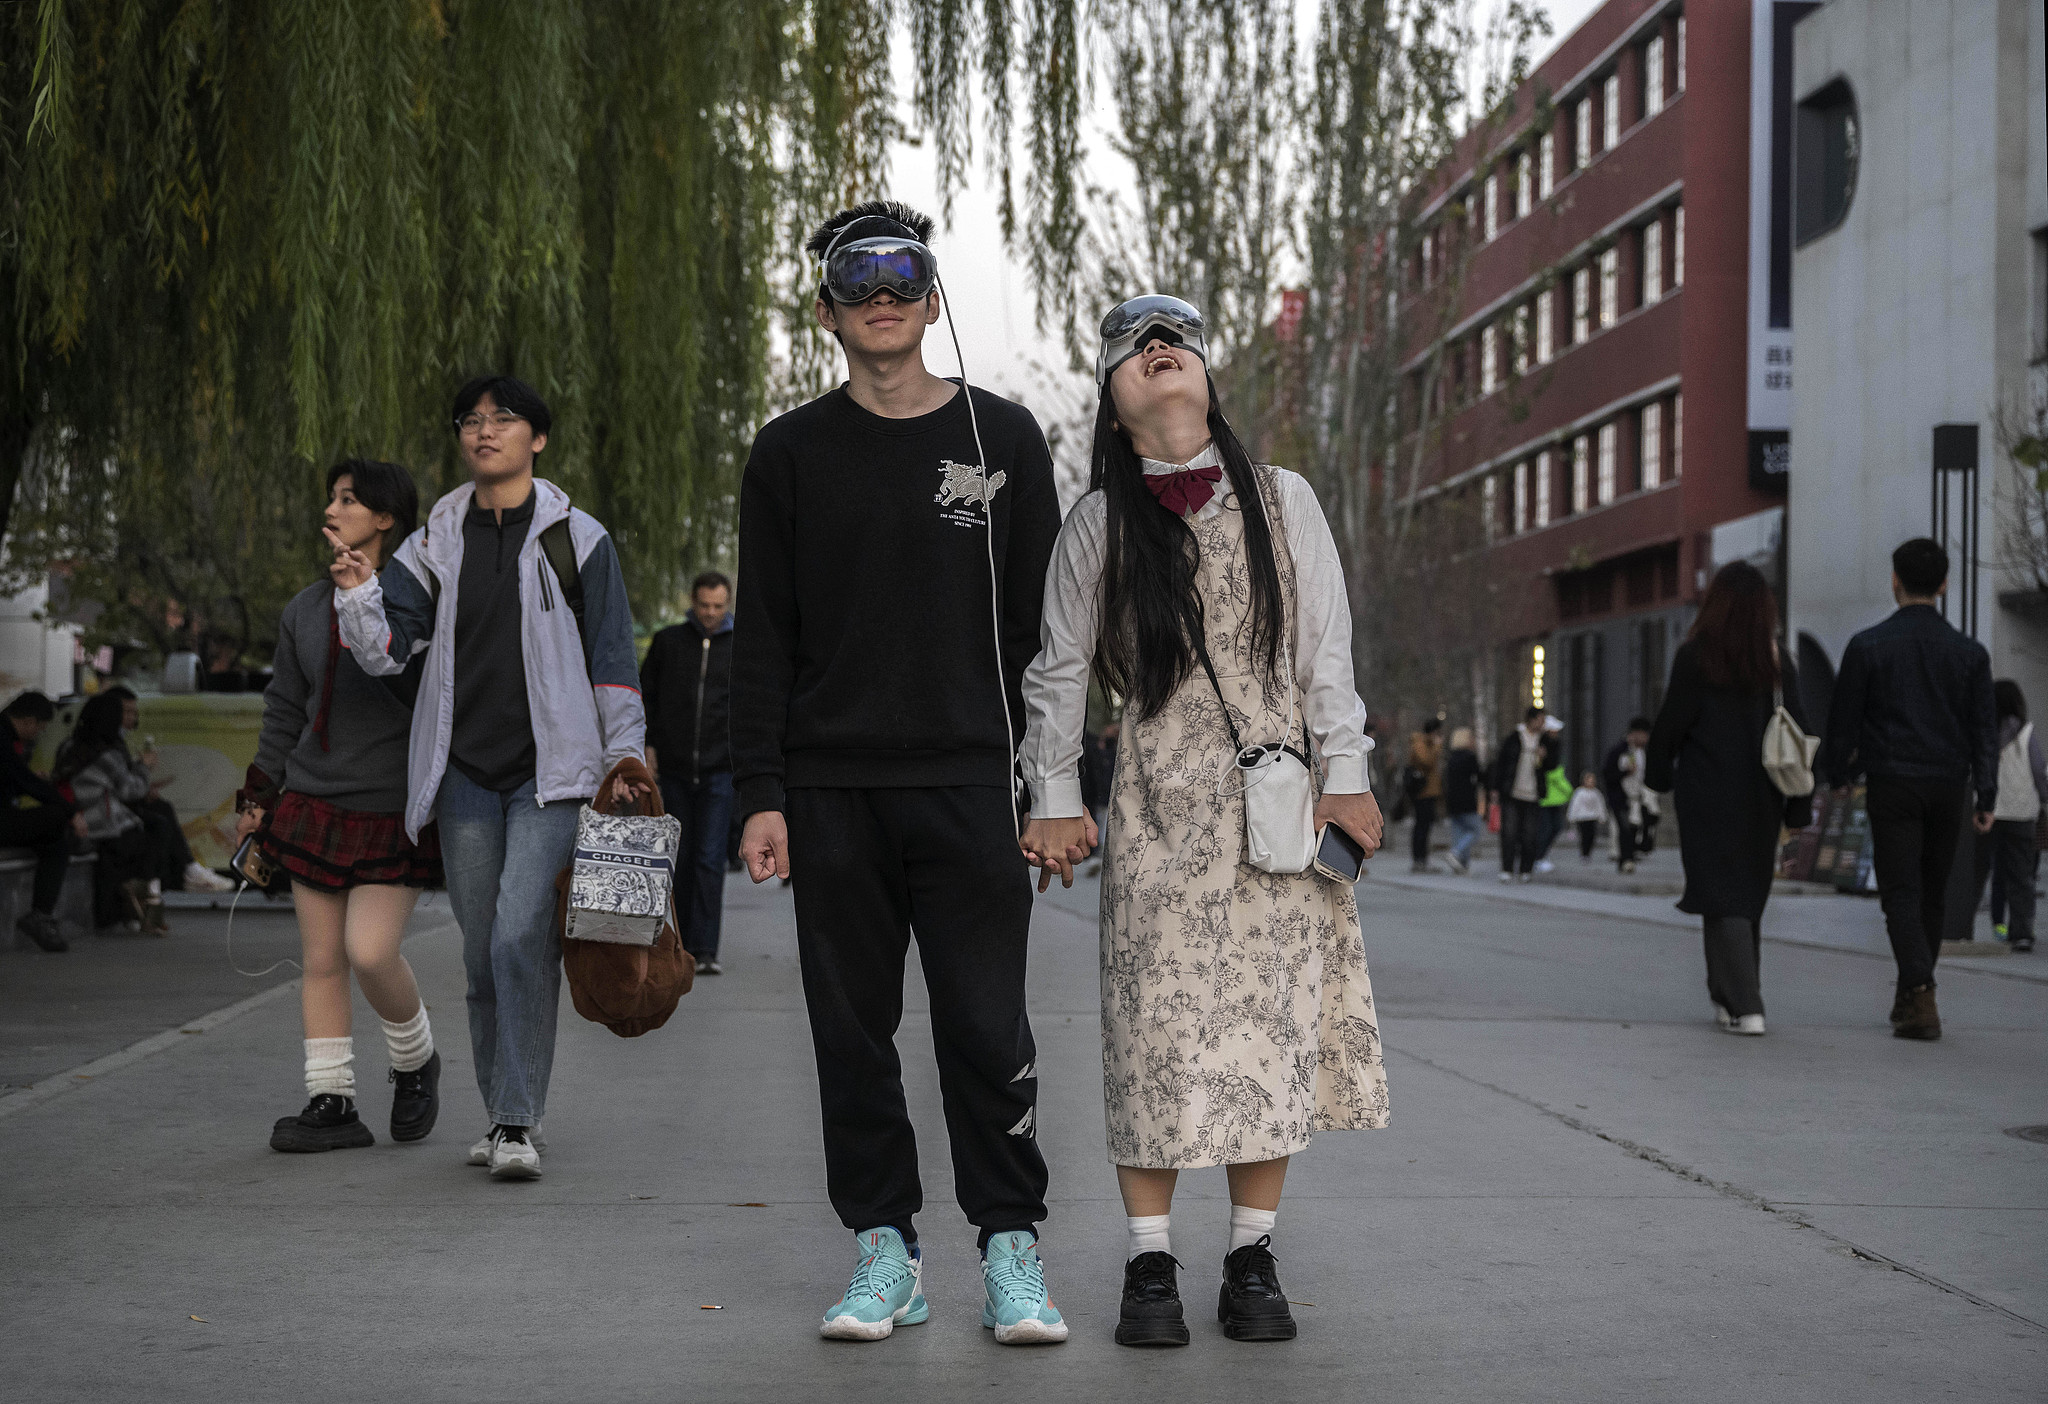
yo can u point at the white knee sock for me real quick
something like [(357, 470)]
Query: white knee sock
[(1248, 1226), (1148, 1235), (411, 1043), (331, 1066)]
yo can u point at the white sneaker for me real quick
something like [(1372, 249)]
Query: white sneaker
[(513, 1156), (1544, 865), (480, 1153), (198, 879), (1722, 1018), (1507, 876), (1751, 1024)]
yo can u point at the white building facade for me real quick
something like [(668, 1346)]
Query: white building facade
[(1920, 291)]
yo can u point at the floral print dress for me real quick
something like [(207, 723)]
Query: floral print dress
[(1237, 1013)]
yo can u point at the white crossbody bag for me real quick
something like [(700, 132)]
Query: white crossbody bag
[(1278, 787), (1788, 751)]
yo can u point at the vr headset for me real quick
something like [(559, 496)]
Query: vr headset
[(858, 269), (1133, 325)]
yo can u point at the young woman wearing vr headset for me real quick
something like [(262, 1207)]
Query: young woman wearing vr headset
[(894, 535), (1237, 1012)]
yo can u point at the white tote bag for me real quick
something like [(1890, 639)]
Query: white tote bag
[(1278, 788), (1788, 751), (622, 878)]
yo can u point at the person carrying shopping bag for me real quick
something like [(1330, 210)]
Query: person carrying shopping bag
[(1237, 1011)]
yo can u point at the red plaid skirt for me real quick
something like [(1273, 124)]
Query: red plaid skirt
[(333, 849)]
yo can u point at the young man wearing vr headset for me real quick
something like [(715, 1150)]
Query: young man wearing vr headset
[(875, 762)]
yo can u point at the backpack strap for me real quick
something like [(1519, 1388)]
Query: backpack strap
[(561, 554)]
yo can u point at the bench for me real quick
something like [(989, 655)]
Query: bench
[(17, 893)]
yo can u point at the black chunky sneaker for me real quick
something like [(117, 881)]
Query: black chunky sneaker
[(416, 1100), (42, 928), (329, 1122), (1251, 1305), (1151, 1313)]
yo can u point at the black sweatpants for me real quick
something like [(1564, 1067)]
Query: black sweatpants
[(1734, 963), (1524, 834), (1589, 836), (48, 832), (1425, 820), (1914, 828), (868, 867)]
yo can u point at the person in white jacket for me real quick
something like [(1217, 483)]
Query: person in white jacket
[(2014, 857), (529, 692)]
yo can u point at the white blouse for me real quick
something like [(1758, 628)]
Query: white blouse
[(1056, 683)]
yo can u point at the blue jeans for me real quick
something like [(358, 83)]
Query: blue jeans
[(705, 810), (1464, 833), (502, 853)]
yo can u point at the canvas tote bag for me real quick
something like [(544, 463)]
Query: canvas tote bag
[(1788, 751)]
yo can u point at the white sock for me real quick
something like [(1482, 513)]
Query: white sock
[(411, 1043), (331, 1066), (156, 887), (1248, 1226), (1148, 1235)]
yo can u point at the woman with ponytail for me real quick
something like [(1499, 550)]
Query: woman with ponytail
[(1238, 1021), (327, 794)]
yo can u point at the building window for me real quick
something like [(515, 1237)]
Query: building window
[(1582, 475), (1824, 160), (1521, 518), (1492, 203), (1677, 437), (1489, 358), (1489, 508), (1546, 166), (1653, 261), (1521, 335), (1678, 247), (1610, 112), (1543, 489), (1608, 435), (1525, 184), (1653, 76), (1653, 444), (1681, 54), (1546, 311), (1582, 304), (1610, 286), (1582, 144)]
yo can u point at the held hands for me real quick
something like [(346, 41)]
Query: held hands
[(351, 568), (764, 845), (1056, 845), (1356, 815)]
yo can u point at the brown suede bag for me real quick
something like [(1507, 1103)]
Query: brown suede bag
[(628, 989)]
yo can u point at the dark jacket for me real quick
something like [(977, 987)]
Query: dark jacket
[(17, 780), (1914, 700), (686, 682), (1461, 782), (1613, 770), (1509, 757), (1708, 746)]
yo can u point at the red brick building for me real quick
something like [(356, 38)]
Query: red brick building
[(1588, 263)]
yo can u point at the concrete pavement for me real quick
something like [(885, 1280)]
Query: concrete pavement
[(1587, 1193)]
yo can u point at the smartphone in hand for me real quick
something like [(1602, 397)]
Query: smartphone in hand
[(1339, 856)]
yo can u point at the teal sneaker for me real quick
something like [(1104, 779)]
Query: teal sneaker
[(1018, 1308), (887, 1291)]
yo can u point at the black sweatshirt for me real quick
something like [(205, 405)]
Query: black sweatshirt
[(864, 654), (493, 741)]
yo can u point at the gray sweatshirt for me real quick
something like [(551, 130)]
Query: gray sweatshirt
[(362, 765)]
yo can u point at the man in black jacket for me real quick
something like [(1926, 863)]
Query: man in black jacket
[(685, 682), (869, 697), (46, 830), (1526, 755), (1621, 781), (1912, 711)]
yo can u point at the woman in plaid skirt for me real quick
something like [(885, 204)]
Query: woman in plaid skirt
[(327, 796)]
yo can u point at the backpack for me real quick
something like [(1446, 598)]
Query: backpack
[(1788, 751), (561, 553)]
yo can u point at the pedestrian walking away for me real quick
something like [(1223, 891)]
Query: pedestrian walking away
[(1628, 798), (1424, 777), (326, 797), (1464, 792), (1913, 712), (528, 695), (2014, 852), (1237, 1012), (48, 830), (1526, 755), (1587, 812), (685, 682), (1707, 745), (894, 535)]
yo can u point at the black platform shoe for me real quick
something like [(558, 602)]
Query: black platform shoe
[(329, 1122), (416, 1100), (1251, 1305), (1151, 1314)]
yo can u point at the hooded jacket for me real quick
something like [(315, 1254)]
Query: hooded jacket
[(584, 691)]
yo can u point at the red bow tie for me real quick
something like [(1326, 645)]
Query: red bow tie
[(1185, 491)]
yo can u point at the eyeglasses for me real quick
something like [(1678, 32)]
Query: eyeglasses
[(473, 422)]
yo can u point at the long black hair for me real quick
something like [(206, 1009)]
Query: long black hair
[(1151, 610), (2008, 701), (97, 730)]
